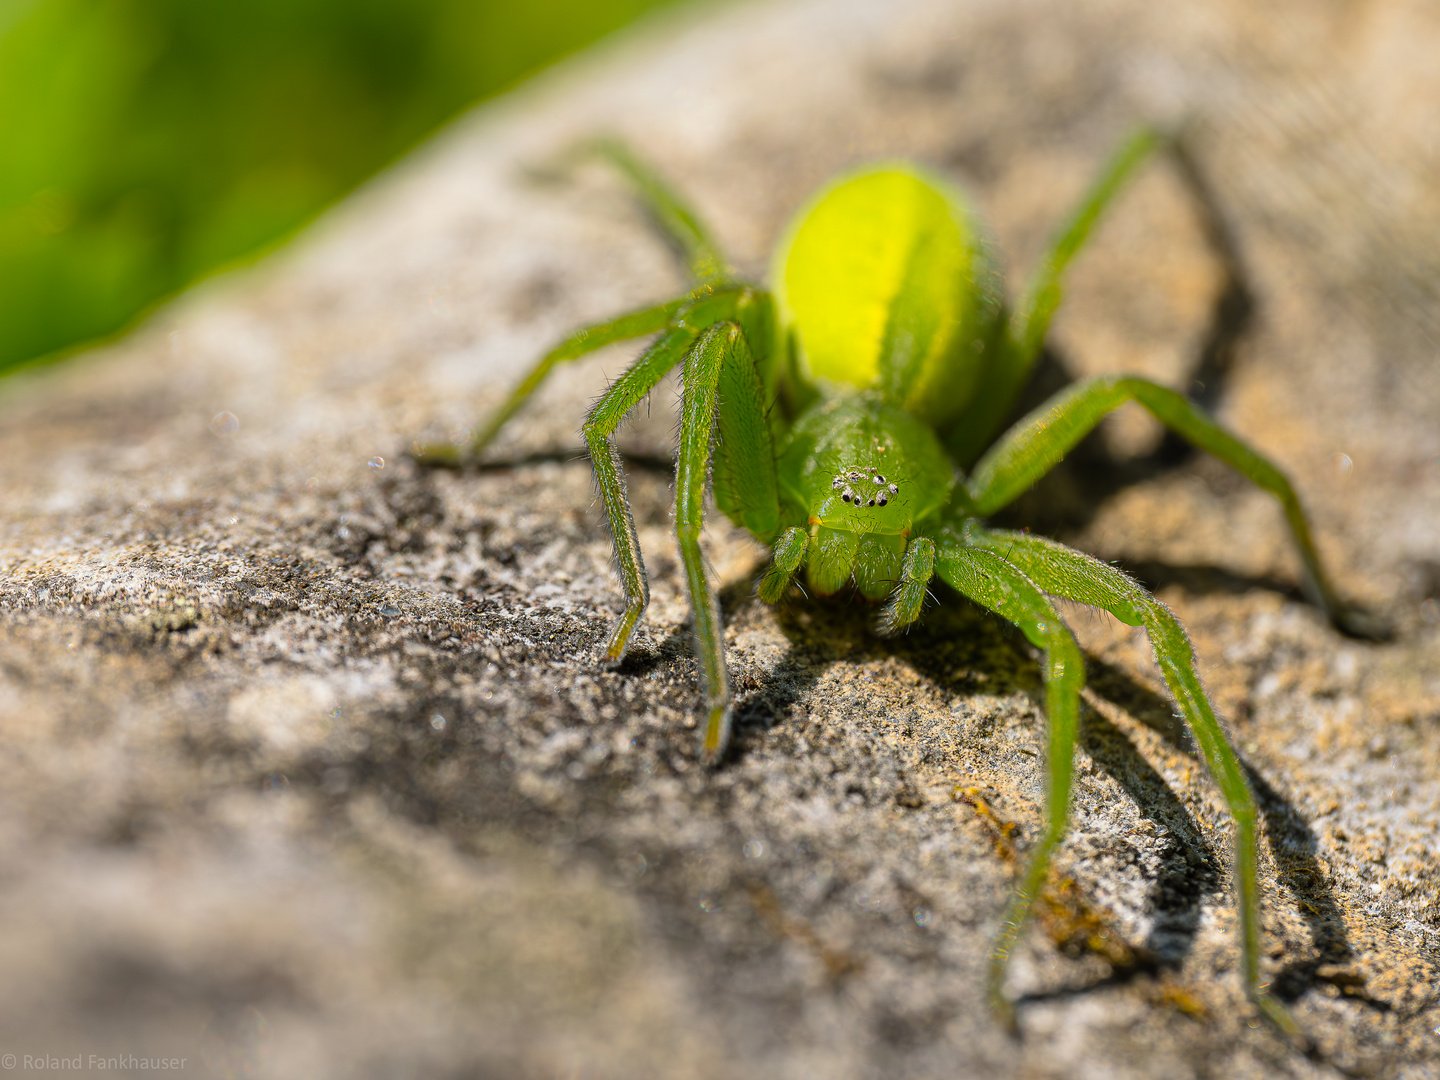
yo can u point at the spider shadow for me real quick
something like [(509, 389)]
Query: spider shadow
[(961, 638), (1292, 844), (958, 639), (678, 648)]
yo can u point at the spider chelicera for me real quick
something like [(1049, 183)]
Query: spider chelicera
[(849, 417)]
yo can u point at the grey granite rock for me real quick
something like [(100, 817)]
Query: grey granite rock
[(309, 766)]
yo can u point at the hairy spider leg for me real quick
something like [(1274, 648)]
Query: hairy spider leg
[(1061, 571), (581, 343), (789, 554), (1021, 339), (721, 352), (682, 227), (991, 581), (742, 464), (905, 603), (1073, 575), (672, 215), (1037, 443), (1031, 321), (606, 415)]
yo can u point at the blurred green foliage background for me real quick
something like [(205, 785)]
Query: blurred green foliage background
[(146, 142)]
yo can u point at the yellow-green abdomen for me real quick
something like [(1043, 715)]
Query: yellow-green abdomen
[(887, 286)]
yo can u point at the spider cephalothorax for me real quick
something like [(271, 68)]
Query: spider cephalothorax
[(848, 418)]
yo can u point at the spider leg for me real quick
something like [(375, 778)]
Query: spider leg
[(675, 218), (1038, 442), (1023, 336), (1031, 321), (681, 226), (789, 554), (995, 583), (1076, 576), (742, 464), (606, 415), (581, 343), (719, 347), (904, 605)]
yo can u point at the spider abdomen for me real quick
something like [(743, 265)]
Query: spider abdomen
[(888, 287)]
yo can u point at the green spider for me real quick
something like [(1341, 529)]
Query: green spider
[(848, 418)]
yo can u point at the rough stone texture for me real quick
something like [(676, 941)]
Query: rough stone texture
[(310, 770)]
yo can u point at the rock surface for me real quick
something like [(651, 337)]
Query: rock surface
[(310, 768)]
